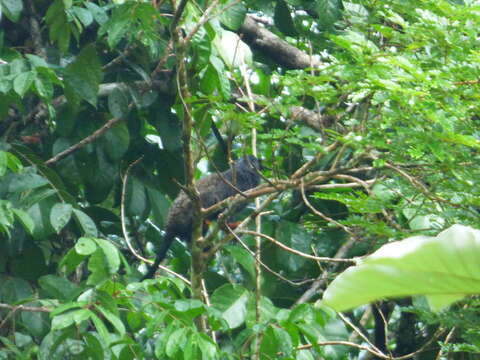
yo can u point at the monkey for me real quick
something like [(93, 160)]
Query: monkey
[(212, 189)]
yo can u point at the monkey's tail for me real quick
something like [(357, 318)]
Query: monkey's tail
[(162, 252)]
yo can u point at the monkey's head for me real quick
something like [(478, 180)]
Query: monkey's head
[(249, 163)]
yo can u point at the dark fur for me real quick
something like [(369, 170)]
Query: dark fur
[(212, 189)]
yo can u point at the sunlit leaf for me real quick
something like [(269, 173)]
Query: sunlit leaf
[(231, 301), (444, 268), (60, 215)]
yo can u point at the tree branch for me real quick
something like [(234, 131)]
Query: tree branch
[(272, 46)]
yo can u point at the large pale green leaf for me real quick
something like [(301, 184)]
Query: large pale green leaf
[(232, 49), (12, 9), (60, 216), (111, 255), (85, 246), (85, 222), (444, 268), (232, 302), (26, 181), (24, 219), (23, 82)]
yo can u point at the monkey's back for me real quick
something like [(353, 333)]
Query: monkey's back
[(212, 189)]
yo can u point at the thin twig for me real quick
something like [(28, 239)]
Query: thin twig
[(245, 246), (446, 341), (122, 211), (25, 308), (90, 138), (319, 283), (345, 343), (320, 214), (297, 252), (364, 337), (304, 168)]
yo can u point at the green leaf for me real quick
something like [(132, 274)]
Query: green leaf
[(209, 81), (85, 246), (134, 320), (160, 206), (98, 269), (268, 311), (70, 261), (31, 264), (234, 16), (443, 268), (296, 237), (60, 216), (329, 11), (57, 287), (270, 345), (63, 320), (84, 74), (69, 318), (283, 19), (244, 258), (111, 255), (36, 61), (95, 348), (136, 199), (15, 289), (12, 9), (99, 183), (207, 346), (223, 81), (67, 306), (83, 15), (85, 222), (25, 220), (118, 103), (168, 128), (190, 307), (117, 140), (176, 341), (118, 24), (22, 340), (113, 319), (13, 163), (26, 181), (23, 82), (3, 163), (232, 49), (43, 84), (40, 214), (6, 215), (98, 13), (191, 350), (101, 328), (231, 300)]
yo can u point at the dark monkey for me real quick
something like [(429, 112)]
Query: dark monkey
[(212, 189)]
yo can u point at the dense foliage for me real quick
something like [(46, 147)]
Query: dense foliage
[(365, 117)]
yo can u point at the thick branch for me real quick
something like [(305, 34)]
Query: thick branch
[(311, 118), (274, 47)]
